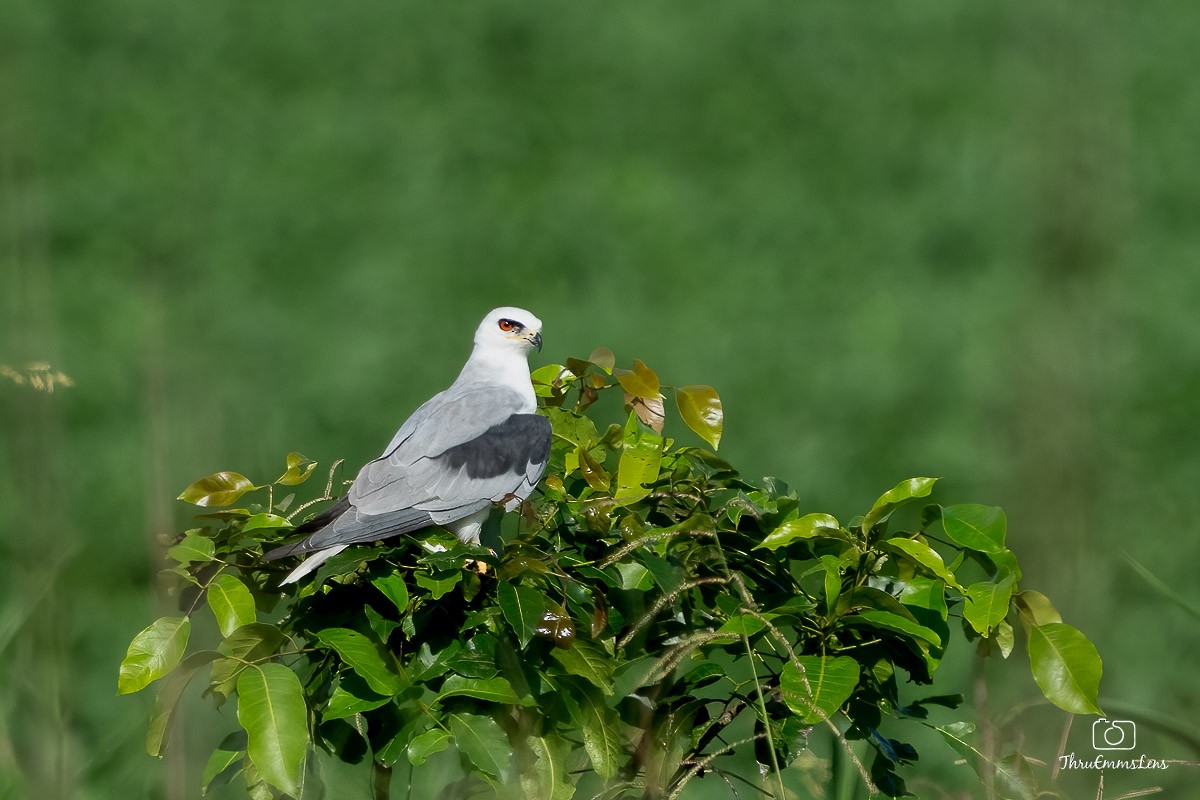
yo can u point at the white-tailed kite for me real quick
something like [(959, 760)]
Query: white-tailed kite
[(477, 443)]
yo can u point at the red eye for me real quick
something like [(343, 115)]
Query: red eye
[(507, 324)]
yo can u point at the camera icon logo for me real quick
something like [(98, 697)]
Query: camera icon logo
[(1113, 734)]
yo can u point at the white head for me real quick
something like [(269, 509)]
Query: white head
[(509, 328)]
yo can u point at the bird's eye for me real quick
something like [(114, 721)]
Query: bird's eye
[(508, 325)]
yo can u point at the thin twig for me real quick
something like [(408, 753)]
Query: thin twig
[(695, 498), (1139, 793), (657, 536), (1062, 748), (667, 663), (662, 603), (724, 772), (327, 495), (698, 766)]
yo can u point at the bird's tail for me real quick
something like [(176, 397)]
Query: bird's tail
[(311, 563), (311, 527)]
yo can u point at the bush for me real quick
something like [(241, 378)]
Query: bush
[(649, 614)]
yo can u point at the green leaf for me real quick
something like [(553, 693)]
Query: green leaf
[(153, 653), (640, 382), (256, 787), (700, 408), (480, 739), (668, 576), (352, 696), (868, 597), (574, 429), (518, 565), (1035, 608), (1006, 563), (272, 710), (925, 556), (388, 733), (364, 656), (380, 625), (226, 515), (427, 744), (1066, 667), (218, 489), (633, 675), (1016, 778), (228, 753), (394, 589), (523, 607), (895, 623), (1005, 638), (168, 698), (591, 470), (495, 690), (806, 527), (833, 581), (924, 599), (706, 672), (895, 497), (925, 593), (745, 624), (247, 644), (193, 548), (600, 728), (987, 603), (638, 468), (956, 735), (825, 684), (635, 576), (550, 376), (298, 469), (265, 521), (588, 662), (547, 778), (603, 358), (439, 584), (231, 603), (975, 527)]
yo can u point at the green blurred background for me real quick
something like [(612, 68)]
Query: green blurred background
[(899, 239)]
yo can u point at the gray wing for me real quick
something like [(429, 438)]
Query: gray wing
[(411, 472), (501, 465), (402, 492)]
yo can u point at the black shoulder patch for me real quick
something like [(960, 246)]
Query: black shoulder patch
[(512, 446)]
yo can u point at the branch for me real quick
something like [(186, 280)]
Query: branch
[(661, 603), (658, 536), (699, 766)]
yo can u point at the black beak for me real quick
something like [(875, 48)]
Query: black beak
[(537, 341)]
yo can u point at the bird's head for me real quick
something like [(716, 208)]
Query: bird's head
[(510, 327)]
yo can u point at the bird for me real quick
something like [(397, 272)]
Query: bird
[(478, 443)]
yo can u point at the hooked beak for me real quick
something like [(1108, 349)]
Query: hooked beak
[(537, 341)]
